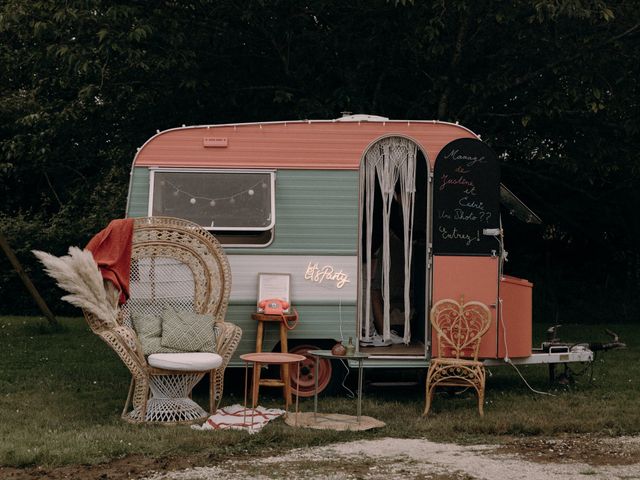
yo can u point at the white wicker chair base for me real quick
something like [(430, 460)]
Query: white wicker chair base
[(173, 410), (174, 386), (169, 401), (169, 410)]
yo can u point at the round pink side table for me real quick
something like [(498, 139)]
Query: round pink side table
[(268, 358)]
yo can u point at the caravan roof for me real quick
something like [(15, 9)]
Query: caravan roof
[(304, 144)]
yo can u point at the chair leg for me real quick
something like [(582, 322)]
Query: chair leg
[(145, 403), (480, 390), (217, 376), (139, 400), (129, 397), (213, 405), (428, 398)]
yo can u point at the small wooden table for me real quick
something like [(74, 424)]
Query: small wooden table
[(268, 358)]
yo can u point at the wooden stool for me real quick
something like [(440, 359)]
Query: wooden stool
[(283, 381)]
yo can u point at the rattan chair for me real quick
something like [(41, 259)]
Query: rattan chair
[(459, 328), (174, 263)]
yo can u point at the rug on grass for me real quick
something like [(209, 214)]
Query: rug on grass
[(332, 421), (236, 417)]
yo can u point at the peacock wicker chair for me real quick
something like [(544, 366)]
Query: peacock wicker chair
[(459, 327), (174, 263)]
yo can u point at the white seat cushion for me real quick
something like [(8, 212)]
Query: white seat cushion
[(192, 361)]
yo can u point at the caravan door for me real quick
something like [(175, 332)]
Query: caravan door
[(393, 251)]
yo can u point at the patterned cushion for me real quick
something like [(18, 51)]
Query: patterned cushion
[(188, 331), (154, 345), (148, 327)]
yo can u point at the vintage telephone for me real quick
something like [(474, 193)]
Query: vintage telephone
[(274, 306), (277, 306)]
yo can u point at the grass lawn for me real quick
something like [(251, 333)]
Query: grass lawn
[(61, 394)]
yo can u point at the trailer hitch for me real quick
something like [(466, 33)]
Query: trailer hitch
[(553, 342)]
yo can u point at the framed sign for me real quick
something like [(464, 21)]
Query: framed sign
[(273, 286)]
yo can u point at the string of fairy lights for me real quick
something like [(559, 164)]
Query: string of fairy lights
[(195, 198)]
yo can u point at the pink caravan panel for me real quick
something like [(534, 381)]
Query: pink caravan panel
[(317, 144), (515, 329), (471, 278)]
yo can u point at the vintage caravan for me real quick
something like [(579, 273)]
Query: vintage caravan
[(373, 220)]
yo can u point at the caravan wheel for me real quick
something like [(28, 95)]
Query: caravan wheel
[(306, 385)]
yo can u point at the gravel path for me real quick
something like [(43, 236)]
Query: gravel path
[(392, 458)]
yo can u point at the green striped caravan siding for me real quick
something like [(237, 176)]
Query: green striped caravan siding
[(139, 193), (316, 211)]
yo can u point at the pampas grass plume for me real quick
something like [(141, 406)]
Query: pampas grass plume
[(78, 274)]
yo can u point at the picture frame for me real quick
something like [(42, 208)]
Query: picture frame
[(274, 285)]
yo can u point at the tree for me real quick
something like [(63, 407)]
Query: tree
[(550, 85)]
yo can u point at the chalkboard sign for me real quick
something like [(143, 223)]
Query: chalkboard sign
[(465, 198)]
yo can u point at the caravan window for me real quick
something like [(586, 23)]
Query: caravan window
[(237, 206)]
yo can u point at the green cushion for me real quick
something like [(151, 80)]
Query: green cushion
[(188, 331), (146, 325), (149, 330)]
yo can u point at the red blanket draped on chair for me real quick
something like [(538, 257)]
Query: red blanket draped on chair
[(111, 249)]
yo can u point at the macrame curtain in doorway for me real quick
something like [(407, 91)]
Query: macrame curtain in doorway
[(390, 161)]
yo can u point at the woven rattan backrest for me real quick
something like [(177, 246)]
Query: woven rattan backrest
[(459, 327), (176, 263)]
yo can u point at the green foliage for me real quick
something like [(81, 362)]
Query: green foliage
[(63, 391), (550, 84)]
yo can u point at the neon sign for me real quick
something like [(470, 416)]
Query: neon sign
[(318, 274)]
